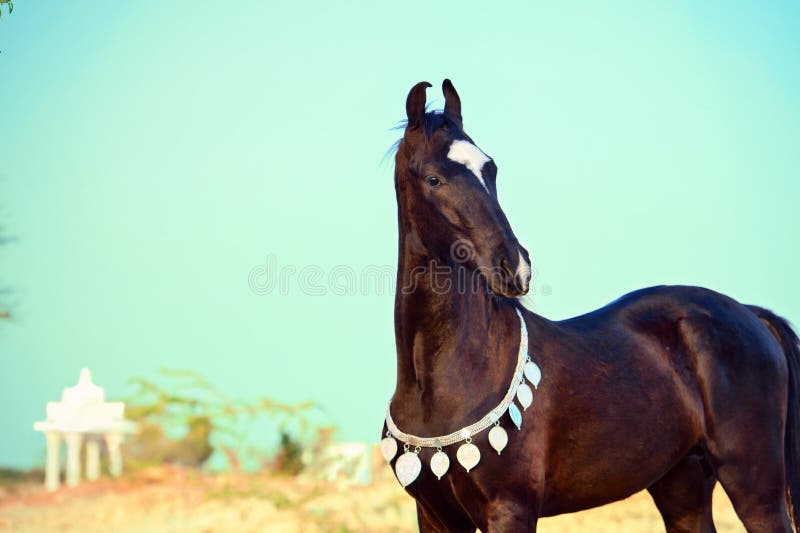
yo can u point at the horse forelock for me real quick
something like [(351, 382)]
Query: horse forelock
[(431, 121)]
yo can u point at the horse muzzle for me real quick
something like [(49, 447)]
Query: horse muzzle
[(511, 277)]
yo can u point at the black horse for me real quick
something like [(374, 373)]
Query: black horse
[(668, 389)]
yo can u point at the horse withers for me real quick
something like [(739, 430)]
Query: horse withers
[(668, 389)]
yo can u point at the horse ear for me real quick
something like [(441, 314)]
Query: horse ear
[(452, 103), (415, 104)]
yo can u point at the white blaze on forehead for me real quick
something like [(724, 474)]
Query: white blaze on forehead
[(470, 156), (523, 271)]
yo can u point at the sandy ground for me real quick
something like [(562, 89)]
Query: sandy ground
[(167, 500)]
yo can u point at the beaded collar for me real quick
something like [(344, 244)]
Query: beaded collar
[(408, 466)]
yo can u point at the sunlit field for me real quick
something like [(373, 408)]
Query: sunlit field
[(636, 514), (167, 499)]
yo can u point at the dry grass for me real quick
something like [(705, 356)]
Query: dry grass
[(637, 514), (169, 500)]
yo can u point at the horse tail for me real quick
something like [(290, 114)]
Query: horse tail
[(791, 445)]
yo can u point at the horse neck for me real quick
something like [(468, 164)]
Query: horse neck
[(452, 346)]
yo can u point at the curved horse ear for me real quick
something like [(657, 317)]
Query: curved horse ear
[(415, 104), (452, 103)]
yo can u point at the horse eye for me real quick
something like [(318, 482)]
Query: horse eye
[(433, 181)]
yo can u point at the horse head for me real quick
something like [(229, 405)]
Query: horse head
[(447, 197)]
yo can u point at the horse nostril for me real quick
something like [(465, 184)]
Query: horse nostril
[(505, 265)]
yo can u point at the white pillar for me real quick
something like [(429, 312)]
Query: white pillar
[(52, 470), (113, 442), (92, 459), (73, 458), (363, 469)]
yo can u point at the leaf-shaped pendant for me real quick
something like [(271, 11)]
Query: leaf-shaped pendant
[(407, 468), (524, 395), (440, 462), (468, 455), (498, 438), (533, 373), (388, 448), (516, 416)]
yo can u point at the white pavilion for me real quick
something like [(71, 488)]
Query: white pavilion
[(81, 416)]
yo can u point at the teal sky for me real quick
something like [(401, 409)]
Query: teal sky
[(152, 154)]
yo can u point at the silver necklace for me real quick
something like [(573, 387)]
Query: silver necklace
[(408, 466)]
